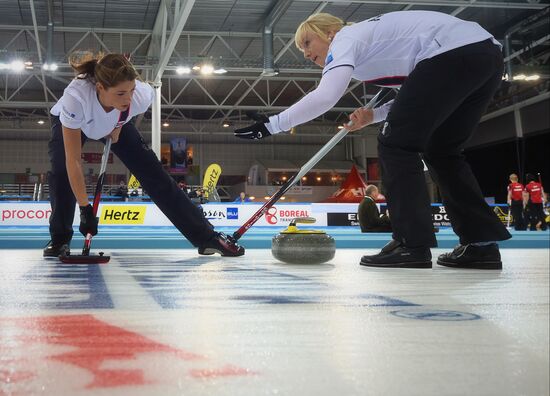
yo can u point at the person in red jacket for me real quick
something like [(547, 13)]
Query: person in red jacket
[(515, 201), (535, 203)]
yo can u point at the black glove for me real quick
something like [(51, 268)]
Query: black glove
[(88, 222), (255, 131)]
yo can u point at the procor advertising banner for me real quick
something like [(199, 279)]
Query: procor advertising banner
[(226, 214), (219, 214)]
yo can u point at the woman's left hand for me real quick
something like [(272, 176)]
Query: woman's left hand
[(360, 118), (115, 134)]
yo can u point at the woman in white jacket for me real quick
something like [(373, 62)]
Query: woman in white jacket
[(98, 103), (447, 70)]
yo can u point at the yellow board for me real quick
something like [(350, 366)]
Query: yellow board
[(122, 214), (133, 183), (211, 177)]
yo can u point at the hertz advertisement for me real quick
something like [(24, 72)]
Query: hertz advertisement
[(122, 214)]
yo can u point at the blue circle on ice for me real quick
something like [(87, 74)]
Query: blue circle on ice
[(436, 314)]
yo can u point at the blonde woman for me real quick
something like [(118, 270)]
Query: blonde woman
[(98, 103), (447, 70)]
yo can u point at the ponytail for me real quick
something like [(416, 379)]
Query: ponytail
[(84, 63), (108, 70)]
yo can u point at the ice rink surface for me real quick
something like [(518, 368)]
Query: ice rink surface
[(168, 322)]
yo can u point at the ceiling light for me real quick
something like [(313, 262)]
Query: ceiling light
[(17, 66), (519, 77), (183, 70), (226, 124), (41, 122), (207, 69), (165, 124), (340, 127), (196, 68), (49, 66), (533, 77), (28, 63), (220, 71)]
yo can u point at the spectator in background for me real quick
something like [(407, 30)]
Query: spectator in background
[(369, 217), (515, 201), (182, 185), (122, 190), (197, 196), (535, 203), (547, 211), (242, 198)]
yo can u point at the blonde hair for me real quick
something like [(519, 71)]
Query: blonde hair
[(109, 70), (320, 24), (514, 177)]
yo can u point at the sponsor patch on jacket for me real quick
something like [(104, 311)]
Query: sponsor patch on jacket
[(329, 59), (67, 113)]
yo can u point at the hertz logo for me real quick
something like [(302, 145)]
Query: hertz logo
[(122, 214)]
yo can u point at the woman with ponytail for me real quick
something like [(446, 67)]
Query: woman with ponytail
[(99, 103)]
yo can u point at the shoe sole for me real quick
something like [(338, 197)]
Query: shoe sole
[(487, 265), (417, 264), (209, 252), (54, 256)]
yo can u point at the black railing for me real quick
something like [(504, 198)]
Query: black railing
[(41, 192)]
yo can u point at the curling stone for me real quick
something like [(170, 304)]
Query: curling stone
[(296, 246)]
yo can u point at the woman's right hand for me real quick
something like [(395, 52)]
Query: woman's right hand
[(88, 221), (115, 135), (360, 118)]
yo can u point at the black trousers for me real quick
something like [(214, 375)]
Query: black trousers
[(535, 212), (145, 166), (517, 215), (433, 116)]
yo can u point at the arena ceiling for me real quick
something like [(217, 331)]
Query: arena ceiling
[(164, 35)]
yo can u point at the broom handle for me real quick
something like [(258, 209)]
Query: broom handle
[(97, 195), (303, 170)]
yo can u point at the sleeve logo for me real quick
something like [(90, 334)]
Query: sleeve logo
[(68, 113), (329, 58)]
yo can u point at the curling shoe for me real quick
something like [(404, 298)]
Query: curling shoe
[(56, 249), (222, 244), (396, 255), (470, 256)]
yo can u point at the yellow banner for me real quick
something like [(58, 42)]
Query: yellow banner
[(133, 183), (211, 177), (122, 214)]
